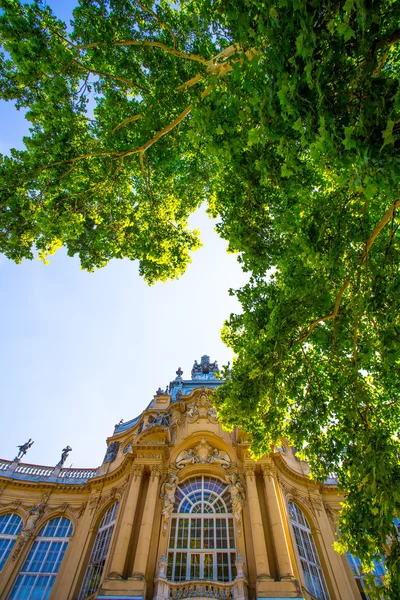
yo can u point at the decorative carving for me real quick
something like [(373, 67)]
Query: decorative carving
[(212, 415), (158, 419), (203, 453), (239, 566), (249, 471), (179, 372), (137, 471), (127, 448), (192, 413), (149, 456), (332, 513), (168, 490), (268, 469), (64, 455), (29, 529), (111, 453), (140, 428), (238, 497), (23, 449), (204, 369), (81, 509), (155, 472), (162, 567), (287, 489)]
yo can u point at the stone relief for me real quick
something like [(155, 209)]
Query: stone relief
[(168, 490), (29, 529), (238, 497), (158, 419), (111, 453), (201, 408), (203, 453)]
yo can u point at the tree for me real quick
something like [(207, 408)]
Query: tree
[(284, 116)]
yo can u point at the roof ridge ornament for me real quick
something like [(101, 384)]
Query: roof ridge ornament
[(205, 369)]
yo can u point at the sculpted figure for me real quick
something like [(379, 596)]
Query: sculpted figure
[(168, 490), (34, 515), (112, 452), (220, 457), (186, 457), (64, 455), (23, 449), (237, 494)]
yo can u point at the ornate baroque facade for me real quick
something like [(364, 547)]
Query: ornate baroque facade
[(177, 510)]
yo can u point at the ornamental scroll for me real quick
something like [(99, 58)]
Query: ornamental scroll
[(203, 453)]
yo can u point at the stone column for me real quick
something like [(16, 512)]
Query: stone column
[(143, 546), (257, 528), (281, 548), (126, 524)]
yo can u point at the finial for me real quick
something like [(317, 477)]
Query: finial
[(179, 372)]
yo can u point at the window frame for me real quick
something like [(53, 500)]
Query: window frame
[(46, 545), (11, 538), (98, 554), (194, 546), (310, 564)]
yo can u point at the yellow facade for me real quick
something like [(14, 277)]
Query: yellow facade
[(170, 455)]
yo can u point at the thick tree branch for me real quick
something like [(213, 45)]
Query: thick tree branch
[(385, 219), (140, 44)]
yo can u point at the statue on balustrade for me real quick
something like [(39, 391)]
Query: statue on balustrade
[(64, 455), (23, 449)]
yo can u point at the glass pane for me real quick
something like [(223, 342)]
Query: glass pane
[(183, 533), (195, 533), (208, 566), (222, 566), (221, 533), (208, 536), (180, 566), (195, 566)]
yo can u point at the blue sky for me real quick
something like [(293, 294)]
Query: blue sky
[(80, 351)]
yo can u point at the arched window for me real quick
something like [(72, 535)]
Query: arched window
[(202, 539), (10, 526), (312, 570), (41, 566), (99, 553)]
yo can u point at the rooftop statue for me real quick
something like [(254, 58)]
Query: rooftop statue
[(23, 449), (64, 455)]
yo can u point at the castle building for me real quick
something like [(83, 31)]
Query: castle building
[(177, 510)]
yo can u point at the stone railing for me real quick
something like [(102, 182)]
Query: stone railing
[(17, 470), (200, 589), (34, 470), (4, 464)]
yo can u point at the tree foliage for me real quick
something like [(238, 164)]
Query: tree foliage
[(284, 116)]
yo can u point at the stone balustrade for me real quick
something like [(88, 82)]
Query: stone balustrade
[(200, 589), (17, 470)]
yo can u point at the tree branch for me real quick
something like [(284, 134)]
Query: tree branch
[(386, 217), (163, 47), (162, 23), (102, 74)]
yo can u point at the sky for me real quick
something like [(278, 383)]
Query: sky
[(79, 351)]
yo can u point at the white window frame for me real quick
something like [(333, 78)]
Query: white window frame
[(98, 555), (32, 574), (308, 554), (10, 538), (195, 521)]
